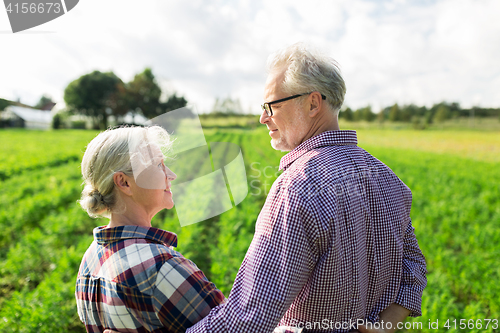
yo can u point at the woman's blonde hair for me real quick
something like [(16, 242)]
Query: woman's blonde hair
[(110, 152)]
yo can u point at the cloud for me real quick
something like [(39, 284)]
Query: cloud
[(422, 54), (389, 51)]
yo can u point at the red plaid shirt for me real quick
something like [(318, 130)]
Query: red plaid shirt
[(131, 280), (333, 244)]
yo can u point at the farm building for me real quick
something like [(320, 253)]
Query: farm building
[(19, 116)]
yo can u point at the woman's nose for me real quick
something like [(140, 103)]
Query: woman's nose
[(170, 174)]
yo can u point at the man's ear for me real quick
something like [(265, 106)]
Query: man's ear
[(122, 182), (315, 100)]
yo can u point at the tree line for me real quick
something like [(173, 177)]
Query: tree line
[(419, 115), (100, 95)]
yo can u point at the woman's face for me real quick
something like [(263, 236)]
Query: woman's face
[(152, 179)]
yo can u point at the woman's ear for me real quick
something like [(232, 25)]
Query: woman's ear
[(122, 182)]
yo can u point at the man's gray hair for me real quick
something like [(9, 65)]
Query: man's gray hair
[(308, 71)]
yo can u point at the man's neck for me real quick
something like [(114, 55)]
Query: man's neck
[(322, 123)]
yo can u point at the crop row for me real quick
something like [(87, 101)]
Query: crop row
[(456, 213), (23, 151), (28, 207), (219, 244)]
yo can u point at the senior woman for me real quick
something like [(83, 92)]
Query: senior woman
[(130, 278)]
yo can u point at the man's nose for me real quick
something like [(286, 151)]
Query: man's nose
[(264, 118)]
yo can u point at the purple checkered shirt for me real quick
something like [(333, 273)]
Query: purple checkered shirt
[(333, 244), (131, 280)]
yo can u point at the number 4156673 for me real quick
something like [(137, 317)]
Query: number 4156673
[(471, 324), (32, 8)]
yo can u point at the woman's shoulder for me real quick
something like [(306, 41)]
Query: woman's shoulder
[(125, 258), (162, 251), (146, 254)]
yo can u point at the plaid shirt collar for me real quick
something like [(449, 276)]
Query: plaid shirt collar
[(329, 138), (104, 235)]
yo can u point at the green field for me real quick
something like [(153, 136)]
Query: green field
[(454, 177)]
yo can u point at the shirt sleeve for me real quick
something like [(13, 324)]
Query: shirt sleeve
[(414, 278), (183, 295), (276, 267)]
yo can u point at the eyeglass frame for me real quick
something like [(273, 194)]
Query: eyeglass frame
[(263, 106)]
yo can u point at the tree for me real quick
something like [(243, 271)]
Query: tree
[(144, 94), (429, 115), (347, 114), (422, 111), (56, 121), (366, 114), (356, 115), (94, 95), (227, 106), (394, 113), (174, 102), (119, 101), (406, 112), (381, 116), (454, 110), (442, 113), (4, 103), (44, 102)]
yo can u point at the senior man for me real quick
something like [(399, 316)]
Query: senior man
[(334, 246)]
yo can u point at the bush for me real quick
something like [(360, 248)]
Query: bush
[(418, 123), (78, 124), (56, 121)]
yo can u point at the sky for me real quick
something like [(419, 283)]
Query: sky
[(394, 51)]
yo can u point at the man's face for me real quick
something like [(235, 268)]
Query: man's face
[(288, 125)]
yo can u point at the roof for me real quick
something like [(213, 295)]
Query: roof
[(48, 106), (31, 114)]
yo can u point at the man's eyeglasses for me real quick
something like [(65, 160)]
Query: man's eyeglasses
[(267, 106)]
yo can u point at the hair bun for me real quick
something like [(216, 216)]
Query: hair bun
[(97, 195), (93, 201)]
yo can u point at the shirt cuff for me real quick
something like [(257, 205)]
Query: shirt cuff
[(410, 299)]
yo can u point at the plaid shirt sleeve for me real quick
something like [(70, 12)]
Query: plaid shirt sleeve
[(183, 295), (414, 278), (276, 267)]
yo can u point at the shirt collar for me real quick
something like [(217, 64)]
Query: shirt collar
[(104, 235), (329, 138)]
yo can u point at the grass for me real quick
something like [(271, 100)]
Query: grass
[(454, 175), (23, 150), (479, 146)]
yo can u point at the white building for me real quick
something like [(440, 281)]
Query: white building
[(19, 116)]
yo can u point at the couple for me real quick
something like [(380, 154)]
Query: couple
[(333, 244)]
